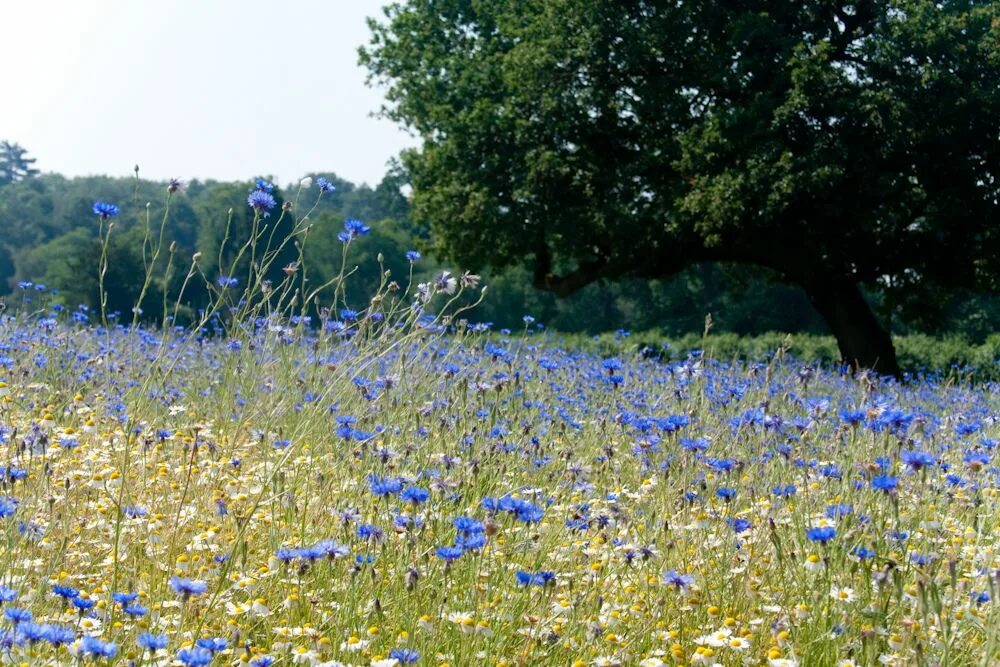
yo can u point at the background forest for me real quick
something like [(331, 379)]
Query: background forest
[(48, 236)]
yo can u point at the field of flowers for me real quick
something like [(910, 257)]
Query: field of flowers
[(393, 485)]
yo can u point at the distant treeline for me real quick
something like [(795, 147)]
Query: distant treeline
[(49, 236)]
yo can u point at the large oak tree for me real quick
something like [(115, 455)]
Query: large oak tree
[(841, 145)]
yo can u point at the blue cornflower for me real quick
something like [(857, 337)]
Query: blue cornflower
[(725, 493), (740, 525), (286, 555), (31, 632), (862, 553), (97, 648), (369, 532), (105, 210), (311, 554), (385, 486), (9, 639), (7, 507), (7, 594), (885, 483), (678, 580), (468, 525), (821, 534), (449, 554), (324, 185), (917, 459), (332, 549), (66, 592), (980, 597), (227, 281), (264, 186), (356, 227), (124, 599), (83, 604), (151, 642), (58, 635), (412, 255), (852, 417), (16, 615), (540, 578), (135, 610), (415, 495), (721, 465), (831, 470), (611, 365), (261, 201), (529, 513), (968, 428), (404, 655), (195, 657), (213, 644), (694, 444), (187, 587), (406, 522), (839, 511), (921, 559), (262, 661), (785, 491), (471, 541), (977, 459)]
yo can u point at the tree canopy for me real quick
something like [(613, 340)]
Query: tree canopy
[(15, 165), (48, 236), (840, 145)]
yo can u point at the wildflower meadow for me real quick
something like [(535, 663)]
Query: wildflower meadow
[(290, 479)]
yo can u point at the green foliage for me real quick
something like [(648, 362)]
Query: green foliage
[(48, 235), (837, 144), (952, 356), (625, 133), (14, 164)]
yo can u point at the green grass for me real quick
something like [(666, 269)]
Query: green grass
[(919, 354)]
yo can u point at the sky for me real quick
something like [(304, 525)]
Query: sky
[(223, 89)]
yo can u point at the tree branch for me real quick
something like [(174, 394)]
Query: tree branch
[(585, 273), (657, 263)]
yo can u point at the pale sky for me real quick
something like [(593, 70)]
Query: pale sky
[(224, 89)]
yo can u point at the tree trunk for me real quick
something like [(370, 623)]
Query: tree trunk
[(862, 341)]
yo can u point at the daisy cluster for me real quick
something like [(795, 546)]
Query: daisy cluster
[(440, 494)]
